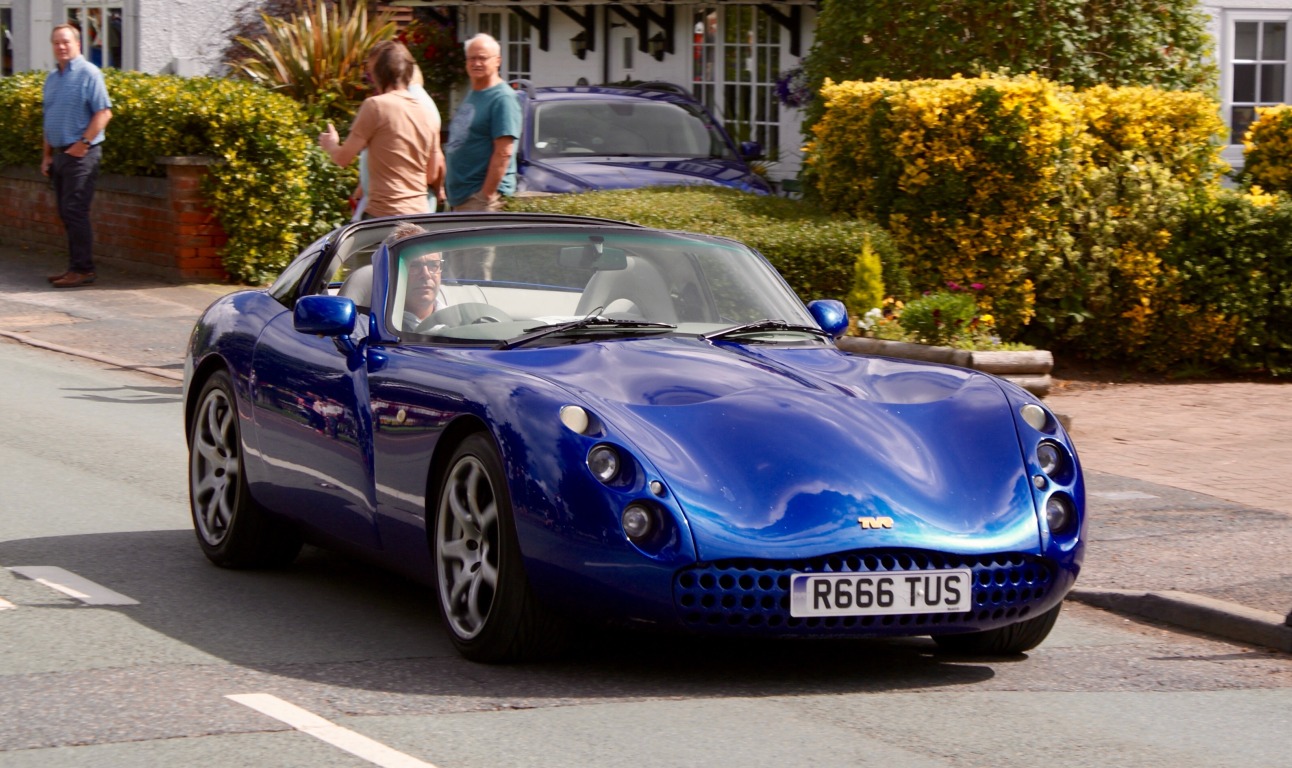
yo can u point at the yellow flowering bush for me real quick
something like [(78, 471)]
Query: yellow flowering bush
[(1179, 130), (960, 171), (1267, 149)]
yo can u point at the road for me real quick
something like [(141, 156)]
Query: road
[(157, 658)]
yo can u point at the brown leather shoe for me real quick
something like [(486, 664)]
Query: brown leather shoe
[(59, 276), (74, 279)]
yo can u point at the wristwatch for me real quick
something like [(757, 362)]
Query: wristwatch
[(87, 142)]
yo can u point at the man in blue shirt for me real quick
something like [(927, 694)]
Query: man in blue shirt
[(77, 109)]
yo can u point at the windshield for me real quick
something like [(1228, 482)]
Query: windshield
[(500, 285), (625, 128)]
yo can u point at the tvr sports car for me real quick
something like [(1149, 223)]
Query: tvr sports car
[(555, 420)]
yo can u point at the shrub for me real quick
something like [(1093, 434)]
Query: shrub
[(317, 57), (1179, 130), (961, 172), (813, 252), (867, 282), (1267, 150), (270, 187)]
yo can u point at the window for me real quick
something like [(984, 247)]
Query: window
[(735, 61), (516, 42), (6, 41), (100, 26), (1258, 71)]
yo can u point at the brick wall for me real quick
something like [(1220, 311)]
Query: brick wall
[(158, 226)]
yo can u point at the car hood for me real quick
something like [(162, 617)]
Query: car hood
[(782, 452), (628, 173)]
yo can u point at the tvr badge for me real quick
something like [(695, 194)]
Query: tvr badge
[(871, 523)]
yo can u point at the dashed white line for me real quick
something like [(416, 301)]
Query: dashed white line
[(72, 585), (5, 605), (325, 730)]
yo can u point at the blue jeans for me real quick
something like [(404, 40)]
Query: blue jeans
[(74, 179)]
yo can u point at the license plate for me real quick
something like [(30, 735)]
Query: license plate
[(880, 594)]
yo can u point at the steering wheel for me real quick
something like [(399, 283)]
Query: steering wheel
[(468, 313)]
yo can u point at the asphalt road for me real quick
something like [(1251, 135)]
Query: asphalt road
[(332, 663)]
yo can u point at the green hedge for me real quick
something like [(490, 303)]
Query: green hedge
[(813, 251), (271, 188)]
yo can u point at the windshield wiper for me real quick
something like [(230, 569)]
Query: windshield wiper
[(591, 321), (762, 326)]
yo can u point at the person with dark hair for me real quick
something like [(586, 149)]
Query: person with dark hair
[(77, 110), (400, 134)]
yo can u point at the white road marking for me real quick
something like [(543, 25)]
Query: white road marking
[(5, 605), (72, 585), (325, 730), (1122, 495)]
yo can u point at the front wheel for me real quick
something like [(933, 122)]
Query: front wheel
[(484, 595), (1002, 641), (232, 529)]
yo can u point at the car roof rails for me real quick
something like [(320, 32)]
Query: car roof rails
[(663, 85), (523, 85)]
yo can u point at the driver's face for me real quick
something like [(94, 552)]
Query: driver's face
[(424, 273)]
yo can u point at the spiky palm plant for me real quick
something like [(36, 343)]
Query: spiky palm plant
[(317, 57)]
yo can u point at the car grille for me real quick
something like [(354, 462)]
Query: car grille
[(755, 594)]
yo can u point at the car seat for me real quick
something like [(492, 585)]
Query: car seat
[(640, 282)]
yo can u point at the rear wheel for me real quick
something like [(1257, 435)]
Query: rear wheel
[(484, 595), (1002, 641), (232, 529)]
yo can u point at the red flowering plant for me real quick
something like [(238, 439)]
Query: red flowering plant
[(439, 55)]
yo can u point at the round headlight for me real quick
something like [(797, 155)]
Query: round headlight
[(1059, 513), (638, 522), (603, 460), (1034, 415), (1050, 458)]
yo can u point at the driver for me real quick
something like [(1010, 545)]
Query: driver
[(423, 295)]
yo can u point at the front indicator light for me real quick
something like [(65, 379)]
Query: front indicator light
[(1059, 513), (603, 460), (638, 522), (1035, 416), (576, 419)]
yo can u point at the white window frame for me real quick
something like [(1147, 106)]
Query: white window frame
[(8, 39), (1229, 61), (758, 115), (82, 9), (515, 37)]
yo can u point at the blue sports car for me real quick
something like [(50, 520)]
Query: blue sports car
[(556, 420)]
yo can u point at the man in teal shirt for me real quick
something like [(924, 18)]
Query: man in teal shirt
[(481, 151)]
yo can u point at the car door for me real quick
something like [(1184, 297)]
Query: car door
[(314, 423)]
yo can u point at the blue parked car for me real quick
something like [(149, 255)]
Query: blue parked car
[(561, 420), (585, 138)]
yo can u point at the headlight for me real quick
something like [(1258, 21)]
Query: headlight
[(639, 522), (1050, 458), (603, 460), (1059, 513)]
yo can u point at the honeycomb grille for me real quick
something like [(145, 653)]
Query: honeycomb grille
[(754, 595)]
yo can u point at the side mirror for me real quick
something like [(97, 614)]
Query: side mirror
[(751, 150), (831, 315), (324, 316)]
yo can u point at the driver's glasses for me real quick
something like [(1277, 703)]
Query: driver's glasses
[(428, 265)]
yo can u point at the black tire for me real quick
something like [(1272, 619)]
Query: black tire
[(1003, 641), (233, 531), (480, 583)]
